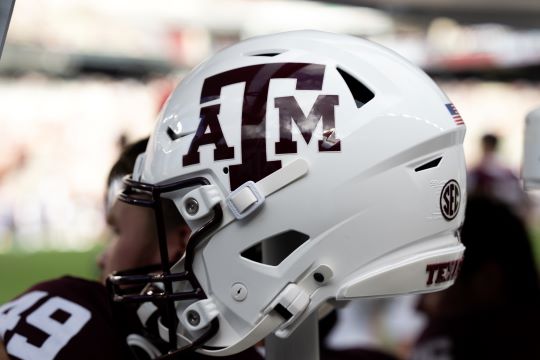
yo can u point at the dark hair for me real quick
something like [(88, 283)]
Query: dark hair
[(126, 161), (492, 233)]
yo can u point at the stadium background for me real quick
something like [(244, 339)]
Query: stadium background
[(80, 78)]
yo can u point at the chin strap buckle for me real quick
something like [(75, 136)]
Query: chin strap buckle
[(250, 196), (245, 200), (289, 304)]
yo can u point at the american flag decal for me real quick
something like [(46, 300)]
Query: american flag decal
[(455, 115)]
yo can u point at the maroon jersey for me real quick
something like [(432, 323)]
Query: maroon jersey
[(66, 318), (355, 354), (71, 318)]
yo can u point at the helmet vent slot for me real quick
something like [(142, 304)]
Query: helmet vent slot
[(430, 164), (267, 53), (361, 94), (286, 243)]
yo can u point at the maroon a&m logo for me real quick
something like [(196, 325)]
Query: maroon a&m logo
[(255, 165)]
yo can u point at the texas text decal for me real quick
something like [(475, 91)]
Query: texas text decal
[(443, 272)]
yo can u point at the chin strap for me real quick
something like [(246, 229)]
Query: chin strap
[(243, 201), (250, 196), (279, 317), (264, 327), (142, 348)]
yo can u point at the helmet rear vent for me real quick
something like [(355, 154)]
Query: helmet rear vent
[(430, 164), (287, 242), (361, 94), (267, 53)]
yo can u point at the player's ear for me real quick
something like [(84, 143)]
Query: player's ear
[(177, 230), (177, 239), (184, 232)]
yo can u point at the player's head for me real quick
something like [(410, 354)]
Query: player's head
[(334, 157), (134, 239), (490, 143)]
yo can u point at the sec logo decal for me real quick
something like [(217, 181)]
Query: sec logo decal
[(450, 200)]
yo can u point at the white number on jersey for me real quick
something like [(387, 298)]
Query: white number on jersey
[(41, 318)]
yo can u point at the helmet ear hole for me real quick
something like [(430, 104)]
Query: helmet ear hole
[(287, 242)]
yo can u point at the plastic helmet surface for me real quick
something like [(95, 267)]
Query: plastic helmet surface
[(311, 167)]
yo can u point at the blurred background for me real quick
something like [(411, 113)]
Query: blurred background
[(81, 78)]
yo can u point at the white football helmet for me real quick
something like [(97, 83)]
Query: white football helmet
[(311, 167)]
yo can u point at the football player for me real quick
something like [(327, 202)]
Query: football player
[(72, 318)]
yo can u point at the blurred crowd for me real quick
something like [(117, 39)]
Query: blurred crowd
[(42, 119), (58, 138)]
